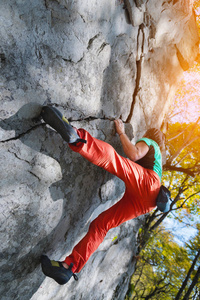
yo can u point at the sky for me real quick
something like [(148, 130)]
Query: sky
[(181, 232)]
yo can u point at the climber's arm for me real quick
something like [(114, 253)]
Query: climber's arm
[(133, 152)]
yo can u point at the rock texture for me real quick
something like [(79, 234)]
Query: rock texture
[(96, 61)]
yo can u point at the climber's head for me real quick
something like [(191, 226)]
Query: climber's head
[(157, 136)]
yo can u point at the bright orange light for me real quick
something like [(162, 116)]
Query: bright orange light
[(187, 97)]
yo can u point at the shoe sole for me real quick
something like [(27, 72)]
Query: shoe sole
[(56, 120), (59, 274)]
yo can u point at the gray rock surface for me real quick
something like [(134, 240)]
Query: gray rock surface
[(96, 61)]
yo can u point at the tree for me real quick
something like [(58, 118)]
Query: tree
[(183, 154), (195, 280), (185, 190), (162, 268), (182, 168)]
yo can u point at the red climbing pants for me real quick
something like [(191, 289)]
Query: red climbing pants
[(142, 187)]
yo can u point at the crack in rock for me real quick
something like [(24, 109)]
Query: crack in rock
[(33, 174), (15, 154), (92, 40), (90, 118), (102, 47), (138, 74), (23, 133)]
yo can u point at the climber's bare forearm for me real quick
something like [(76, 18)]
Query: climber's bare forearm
[(133, 152)]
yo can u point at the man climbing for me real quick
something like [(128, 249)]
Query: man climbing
[(141, 173)]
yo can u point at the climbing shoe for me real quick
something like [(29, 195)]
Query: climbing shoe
[(56, 120), (55, 270)]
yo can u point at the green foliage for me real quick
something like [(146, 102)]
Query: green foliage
[(182, 169), (162, 267), (164, 264)]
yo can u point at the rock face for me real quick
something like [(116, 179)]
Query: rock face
[(96, 61)]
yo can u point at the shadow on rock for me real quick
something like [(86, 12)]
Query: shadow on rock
[(27, 117), (73, 187)]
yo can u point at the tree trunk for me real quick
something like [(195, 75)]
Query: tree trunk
[(194, 282), (192, 172), (188, 276)]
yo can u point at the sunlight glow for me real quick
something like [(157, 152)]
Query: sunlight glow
[(187, 97)]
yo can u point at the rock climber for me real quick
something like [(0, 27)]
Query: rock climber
[(141, 173)]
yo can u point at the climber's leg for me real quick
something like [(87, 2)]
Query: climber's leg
[(96, 151), (129, 207), (104, 155), (97, 231)]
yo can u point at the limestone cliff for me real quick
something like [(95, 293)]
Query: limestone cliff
[(96, 61)]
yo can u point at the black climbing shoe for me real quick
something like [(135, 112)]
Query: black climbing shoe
[(56, 120), (55, 270)]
